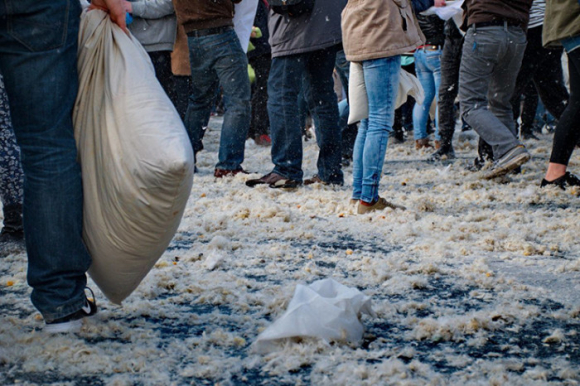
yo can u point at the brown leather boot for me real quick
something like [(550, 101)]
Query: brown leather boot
[(423, 143), (437, 145)]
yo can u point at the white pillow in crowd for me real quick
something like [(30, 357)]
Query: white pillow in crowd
[(357, 92), (136, 158)]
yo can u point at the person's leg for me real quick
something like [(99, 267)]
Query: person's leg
[(284, 85), (501, 87), (231, 66), (161, 61), (529, 109), (547, 73), (529, 66), (433, 61), (40, 75), (260, 123), (11, 178), (322, 102), (204, 83), (421, 111), (357, 159), (382, 79), (182, 89), (448, 88), (479, 63), (568, 128)]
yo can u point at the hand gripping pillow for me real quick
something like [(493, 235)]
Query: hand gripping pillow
[(136, 158)]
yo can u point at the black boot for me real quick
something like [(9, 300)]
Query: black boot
[(12, 235)]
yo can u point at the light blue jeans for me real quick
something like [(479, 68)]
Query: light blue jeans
[(38, 58), (428, 69), (382, 80)]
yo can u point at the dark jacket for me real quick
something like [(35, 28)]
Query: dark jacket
[(261, 45), (433, 28), (513, 11), (452, 31), (422, 5), (203, 14), (308, 32)]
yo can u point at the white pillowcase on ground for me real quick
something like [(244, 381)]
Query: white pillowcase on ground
[(136, 157), (324, 309)]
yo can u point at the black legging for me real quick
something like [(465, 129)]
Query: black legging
[(568, 128)]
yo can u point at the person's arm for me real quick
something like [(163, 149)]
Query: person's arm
[(150, 9), (422, 5), (115, 8)]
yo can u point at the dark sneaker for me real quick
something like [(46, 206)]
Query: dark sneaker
[(380, 204), (529, 135), (477, 165), (72, 322), (274, 180), (314, 180), (221, 173), (509, 161), (398, 135), (317, 180), (563, 182), (442, 155)]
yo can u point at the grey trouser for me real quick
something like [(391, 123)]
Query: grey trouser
[(490, 63)]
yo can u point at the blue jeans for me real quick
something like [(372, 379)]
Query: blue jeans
[(313, 70), (38, 51), (382, 81), (428, 69), (219, 60)]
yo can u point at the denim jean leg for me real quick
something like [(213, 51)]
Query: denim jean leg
[(503, 82), (39, 65), (421, 110), (382, 79), (284, 85), (204, 83), (231, 66), (322, 102), (428, 68), (357, 156), (484, 52)]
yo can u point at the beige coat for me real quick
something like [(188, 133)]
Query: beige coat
[(373, 29), (562, 20)]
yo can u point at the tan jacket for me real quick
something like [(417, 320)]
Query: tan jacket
[(180, 55), (562, 20), (373, 29)]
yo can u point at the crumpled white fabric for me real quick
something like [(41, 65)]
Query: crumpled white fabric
[(358, 102), (451, 9), (244, 21), (324, 309), (135, 155)]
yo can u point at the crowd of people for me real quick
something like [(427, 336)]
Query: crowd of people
[(501, 51)]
